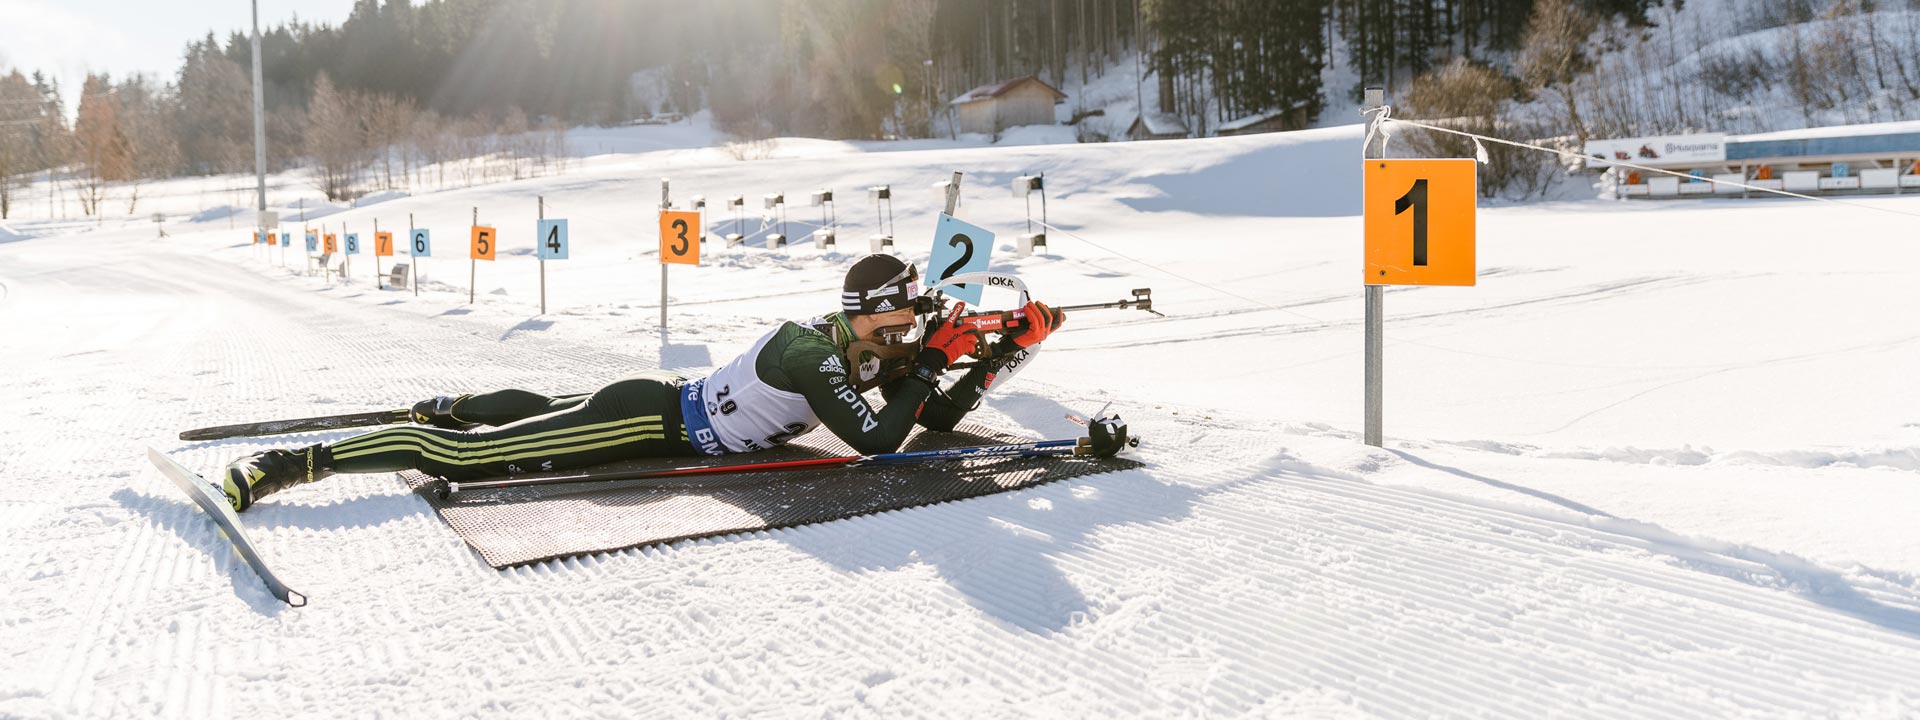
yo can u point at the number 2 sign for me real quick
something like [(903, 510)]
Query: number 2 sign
[(958, 247), (1419, 218)]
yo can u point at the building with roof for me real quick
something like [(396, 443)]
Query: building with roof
[(1157, 126), (1295, 118), (989, 109), (1881, 158)]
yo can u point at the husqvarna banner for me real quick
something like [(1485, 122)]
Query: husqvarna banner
[(1663, 150)]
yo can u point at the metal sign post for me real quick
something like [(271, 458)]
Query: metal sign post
[(549, 243), (1418, 228), (665, 206), (1375, 147), (351, 246), (542, 215), (680, 237), (473, 262), (378, 282), (416, 257)]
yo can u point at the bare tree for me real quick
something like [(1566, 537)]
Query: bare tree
[(1470, 97), (1553, 55), (20, 110), (336, 139), (100, 145), (152, 151), (389, 121)]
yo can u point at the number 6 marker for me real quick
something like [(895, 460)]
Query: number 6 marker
[(1419, 218)]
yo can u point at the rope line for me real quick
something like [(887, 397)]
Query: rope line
[(1175, 275), (1387, 118)]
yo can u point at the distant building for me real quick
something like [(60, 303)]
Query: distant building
[(1266, 122), (989, 109), (1157, 126)]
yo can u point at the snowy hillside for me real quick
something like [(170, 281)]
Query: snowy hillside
[(1661, 461)]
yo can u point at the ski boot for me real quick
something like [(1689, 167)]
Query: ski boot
[(261, 474), (438, 412), (1107, 436)]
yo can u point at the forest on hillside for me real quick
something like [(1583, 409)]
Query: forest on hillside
[(403, 86)]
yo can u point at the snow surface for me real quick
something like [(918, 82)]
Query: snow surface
[(1662, 461)]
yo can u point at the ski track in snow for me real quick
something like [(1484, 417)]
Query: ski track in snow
[(1242, 573)]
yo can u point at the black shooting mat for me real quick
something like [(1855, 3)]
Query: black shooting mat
[(519, 526)]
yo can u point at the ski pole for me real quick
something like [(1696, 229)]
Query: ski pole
[(1046, 448)]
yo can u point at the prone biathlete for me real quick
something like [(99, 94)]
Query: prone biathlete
[(797, 377)]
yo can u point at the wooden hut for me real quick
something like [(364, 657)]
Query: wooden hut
[(989, 109), (1157, 126), (1266, 122)]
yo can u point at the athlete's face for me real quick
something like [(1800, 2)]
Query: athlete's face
[(866, 325)]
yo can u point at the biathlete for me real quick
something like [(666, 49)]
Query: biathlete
[(797, 377)]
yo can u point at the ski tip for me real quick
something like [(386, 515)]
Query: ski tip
[(294, 599)]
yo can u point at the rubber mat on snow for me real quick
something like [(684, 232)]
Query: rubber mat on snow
[(518, 526)]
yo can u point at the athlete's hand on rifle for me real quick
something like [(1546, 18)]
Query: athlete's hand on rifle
[(947, 342), (1041, 322)]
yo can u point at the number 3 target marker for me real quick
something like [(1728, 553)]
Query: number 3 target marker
[(679, 245)]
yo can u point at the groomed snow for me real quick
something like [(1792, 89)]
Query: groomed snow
[(1662, 461)]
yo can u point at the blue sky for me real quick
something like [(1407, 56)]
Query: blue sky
[(69, 38)]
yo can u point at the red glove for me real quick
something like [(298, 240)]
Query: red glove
[(1041, 322), (949, 341)]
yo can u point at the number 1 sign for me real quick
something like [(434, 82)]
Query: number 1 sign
[(1419, 219)]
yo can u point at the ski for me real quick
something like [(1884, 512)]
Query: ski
[(214, 504), (282, 427), (1107, 446)]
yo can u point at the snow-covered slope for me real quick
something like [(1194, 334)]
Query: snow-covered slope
[(1661, 461)]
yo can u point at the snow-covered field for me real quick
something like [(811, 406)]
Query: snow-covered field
[(1664, 460)]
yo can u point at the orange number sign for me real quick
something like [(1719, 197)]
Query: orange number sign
[(680, 237), (332, 244), (1419, 218), (483, 243), (383, 244)]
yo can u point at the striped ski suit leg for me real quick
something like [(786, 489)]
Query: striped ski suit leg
[(634, 417)]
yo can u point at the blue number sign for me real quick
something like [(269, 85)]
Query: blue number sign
[(353, 243), (551, 242), (286, 239), (422, 243), (958, 248), (313, 242)]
